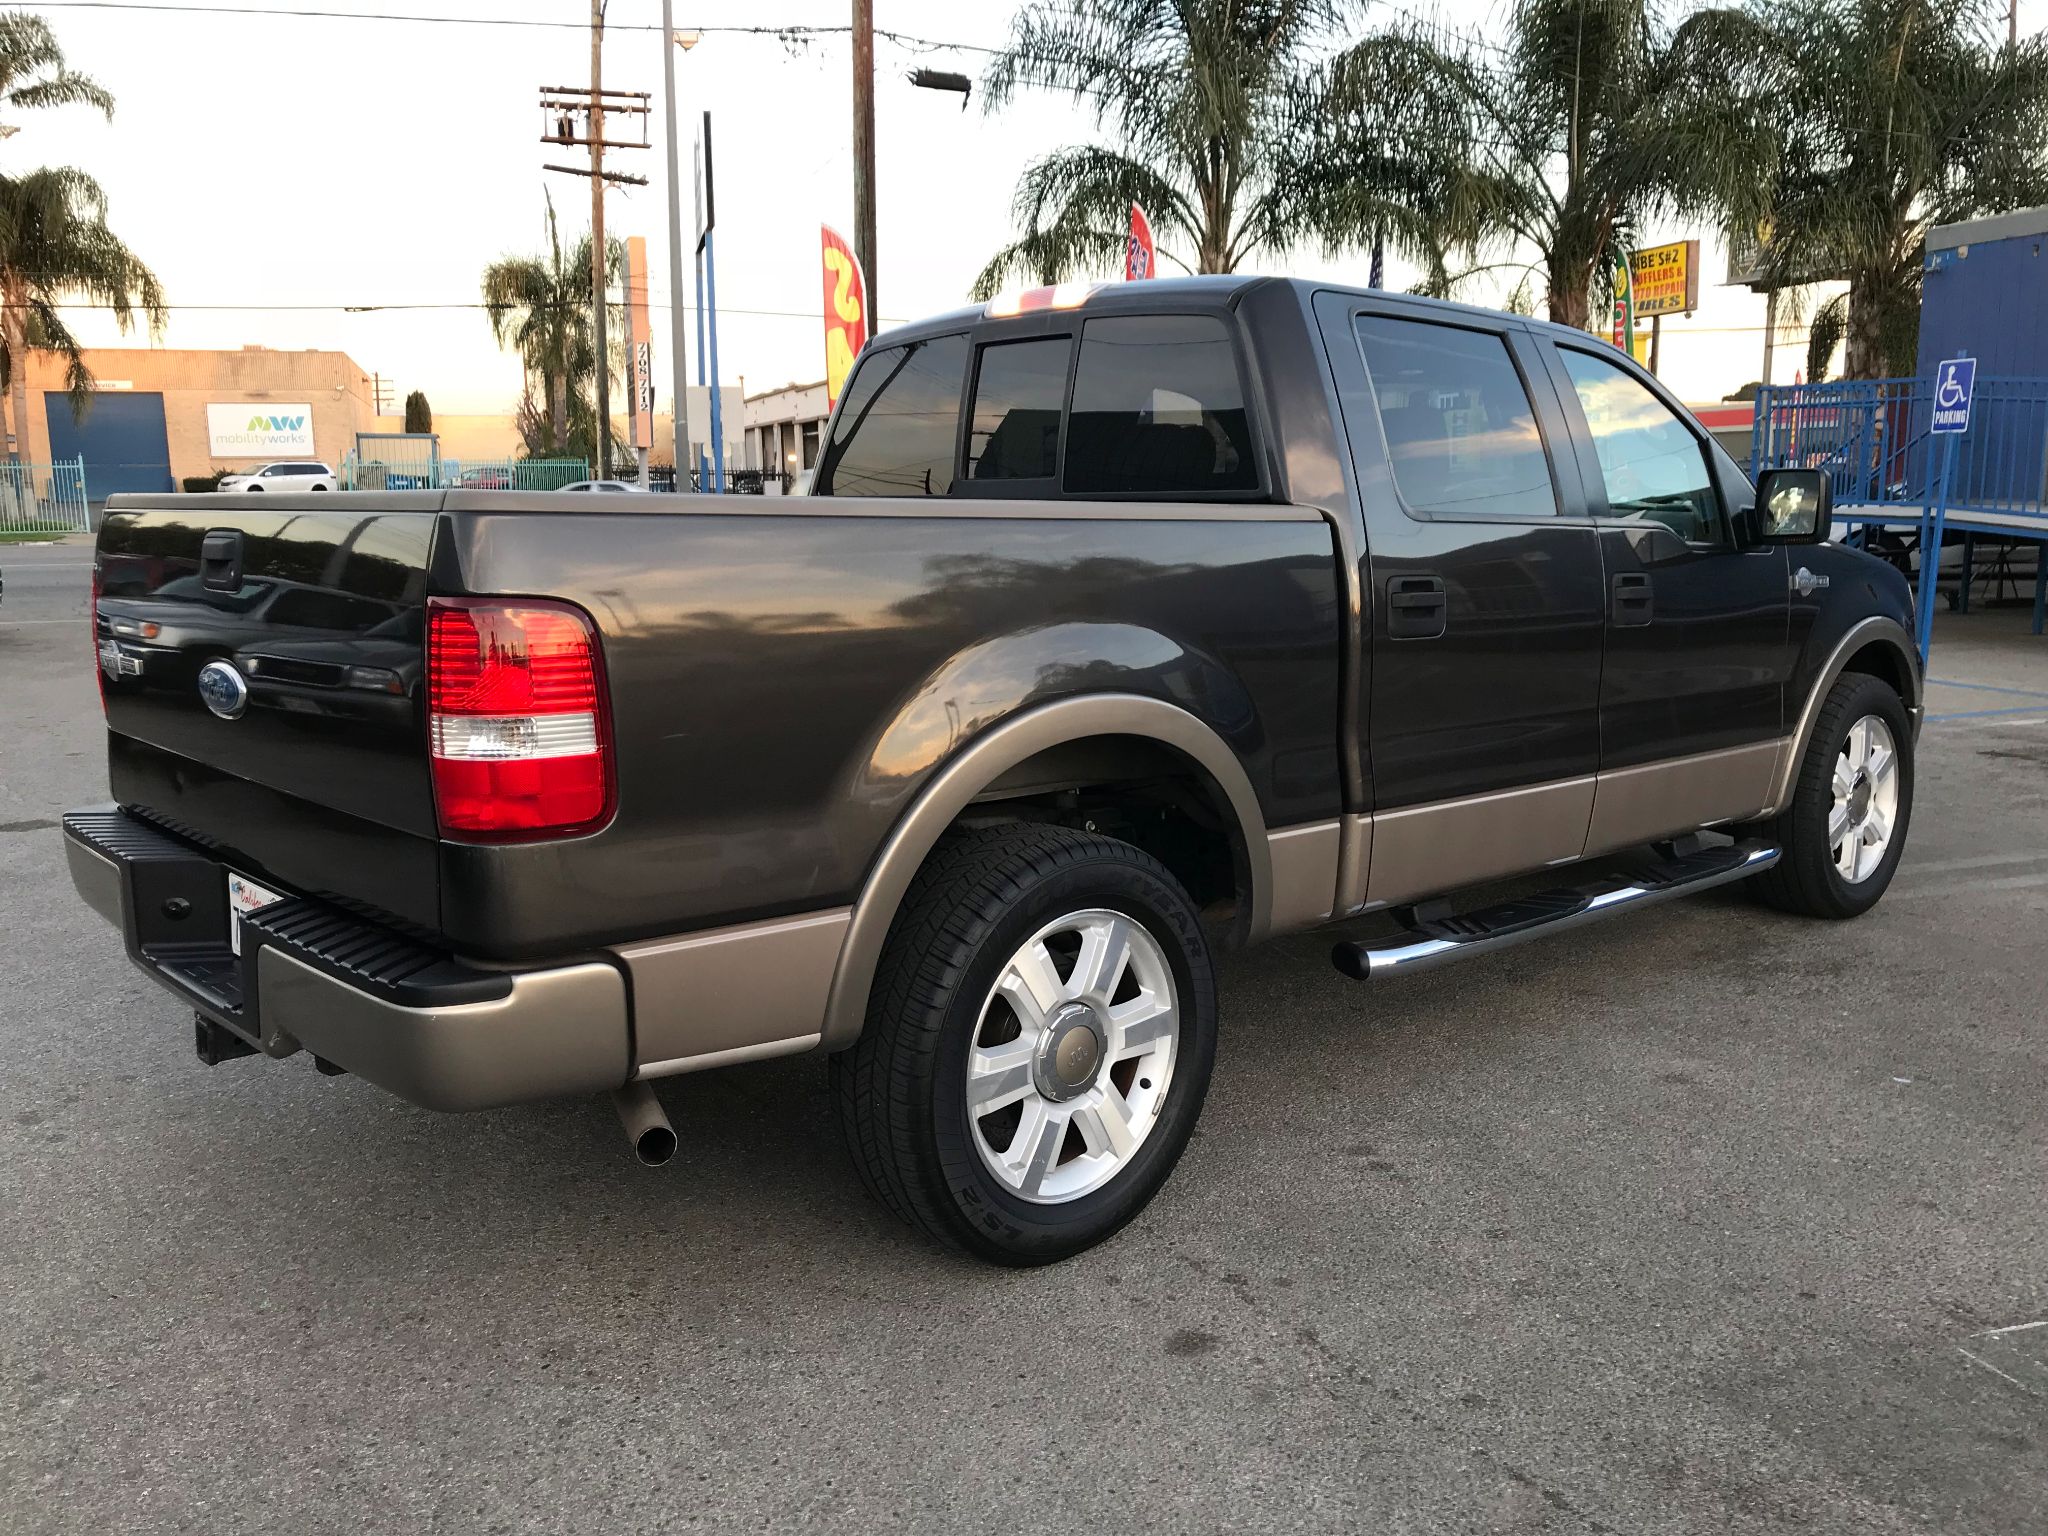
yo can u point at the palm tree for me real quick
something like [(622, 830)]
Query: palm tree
[(33, 73), (1212, 109), (55, 247), (1589, 119), (54, 241), (1899, 115), (540, 307)]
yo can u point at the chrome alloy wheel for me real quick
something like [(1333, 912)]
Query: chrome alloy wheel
[(1866, 808), (1072, 1056)]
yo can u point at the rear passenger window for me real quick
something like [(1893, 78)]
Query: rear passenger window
[(1460, 431), (1015, 430), (897, 426), (1158, 409)]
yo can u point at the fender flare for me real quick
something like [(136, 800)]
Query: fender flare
[(954, 786), (1877, 630)]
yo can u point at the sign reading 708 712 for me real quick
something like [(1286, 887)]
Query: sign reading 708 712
[(1955, 379)]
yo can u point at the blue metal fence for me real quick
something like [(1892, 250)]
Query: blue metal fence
[(44, 498), (1874, 438)]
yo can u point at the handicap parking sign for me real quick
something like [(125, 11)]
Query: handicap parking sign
[(1954, 380)]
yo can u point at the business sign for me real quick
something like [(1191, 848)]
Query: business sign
[(1140, 258), (1954, 382), (846, 311), (1666, 279), (247, 429), (1622, 321), (639, 351)]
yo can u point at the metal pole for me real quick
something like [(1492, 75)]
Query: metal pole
[(1770, 329), (604, 362), (864, 146), (2041, 588), (1656, 341), (1930, 548), (711, 308), (678, 320)]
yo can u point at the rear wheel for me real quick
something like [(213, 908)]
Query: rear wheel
[(1845, 828), (1038, 1043)]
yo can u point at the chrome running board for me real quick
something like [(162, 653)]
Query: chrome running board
[(1439, 941)]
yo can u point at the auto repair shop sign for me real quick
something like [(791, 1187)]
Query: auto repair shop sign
[(244, 429)]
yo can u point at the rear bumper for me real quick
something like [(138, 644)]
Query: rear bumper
[(309, 976)]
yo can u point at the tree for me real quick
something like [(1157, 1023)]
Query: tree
[(54, 247), (1213, 111), (1586, 122), (33, 74), (419, 416), (1898, 115), (54, 241), (540, 307)]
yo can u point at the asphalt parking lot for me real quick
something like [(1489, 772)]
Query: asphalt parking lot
[(1710, 1220)]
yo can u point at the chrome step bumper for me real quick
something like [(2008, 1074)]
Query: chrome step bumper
[(1441, 941)]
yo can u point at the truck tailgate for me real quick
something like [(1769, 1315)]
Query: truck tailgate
[(262, 660)]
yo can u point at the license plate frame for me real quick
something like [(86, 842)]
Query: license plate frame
[(245, 896)]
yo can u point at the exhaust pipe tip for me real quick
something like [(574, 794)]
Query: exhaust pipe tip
[(655, 1146), (646, 1123)]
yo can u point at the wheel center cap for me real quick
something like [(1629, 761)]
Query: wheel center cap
[(1072, 1053), (1859, 799)]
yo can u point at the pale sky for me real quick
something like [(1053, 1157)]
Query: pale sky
[(295, 165)]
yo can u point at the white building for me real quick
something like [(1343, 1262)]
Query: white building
[(783, 430)]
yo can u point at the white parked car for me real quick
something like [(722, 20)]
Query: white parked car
[(285, 475), (603, 485)]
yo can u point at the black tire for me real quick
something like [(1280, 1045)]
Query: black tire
[(901, 1090), (1805, 880)]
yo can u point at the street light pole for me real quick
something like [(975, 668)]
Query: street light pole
[(678, 321), (864, 144)]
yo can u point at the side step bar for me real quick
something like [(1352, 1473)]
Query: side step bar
[(1440, 941)]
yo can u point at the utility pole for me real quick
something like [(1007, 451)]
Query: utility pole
[(565, 109), (678, 319), (864, 145), (604, 356)]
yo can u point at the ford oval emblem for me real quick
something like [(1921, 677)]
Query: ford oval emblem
[(223, 690)]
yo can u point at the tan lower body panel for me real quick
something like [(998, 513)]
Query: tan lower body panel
[(1637, 805), (1426, 850), (1305, 862), (732, 994)]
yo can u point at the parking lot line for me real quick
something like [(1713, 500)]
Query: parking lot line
[(2025, 693)]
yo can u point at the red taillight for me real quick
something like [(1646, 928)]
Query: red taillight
[(516, 718)]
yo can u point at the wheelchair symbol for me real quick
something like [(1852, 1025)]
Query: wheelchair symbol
[(1949, 394)]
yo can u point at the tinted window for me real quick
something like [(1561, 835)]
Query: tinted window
[(1460, 431), (1018, 389), (1157, 408), (1654, 468), (896, 430)]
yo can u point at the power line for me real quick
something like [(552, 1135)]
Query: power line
[(792, 32)]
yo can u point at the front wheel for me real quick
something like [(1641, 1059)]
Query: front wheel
[(1845, 828), (1038, 1043)]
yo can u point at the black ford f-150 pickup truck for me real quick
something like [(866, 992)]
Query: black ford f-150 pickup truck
[(1124, 623)]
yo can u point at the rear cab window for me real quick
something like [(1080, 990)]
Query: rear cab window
[(1086, 407), (897, 431)]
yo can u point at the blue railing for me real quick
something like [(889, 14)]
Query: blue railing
[(1873, 437)]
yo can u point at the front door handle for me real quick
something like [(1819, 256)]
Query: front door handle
[(1633, 600), (1416, 607)]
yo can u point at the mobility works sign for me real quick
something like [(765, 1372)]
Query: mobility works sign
[(242, 429)]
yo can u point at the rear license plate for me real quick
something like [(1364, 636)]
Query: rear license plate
[(245, 896)]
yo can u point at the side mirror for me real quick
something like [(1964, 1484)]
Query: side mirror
[(1793, 506)]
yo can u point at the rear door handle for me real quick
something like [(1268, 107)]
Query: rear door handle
[(1416, 607), (1633, 600), (220, 560)]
